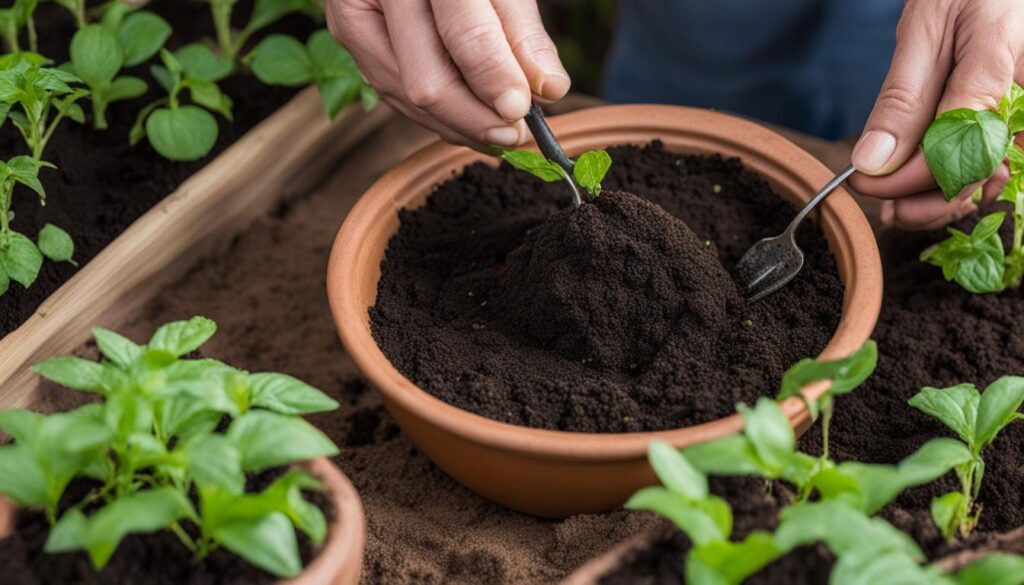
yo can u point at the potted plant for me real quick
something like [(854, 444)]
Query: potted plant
[(208, 457)]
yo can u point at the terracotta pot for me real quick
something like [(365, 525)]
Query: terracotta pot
[(605, 564), (340, 560), (551, 473)]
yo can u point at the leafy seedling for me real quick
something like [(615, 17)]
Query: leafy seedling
[(284, 61), (963, 147), (976, 418), (15, 18), (157, 447), (589, 169), (185, 132), (77, 9), (100, 51), (264, 14), (36, 98)]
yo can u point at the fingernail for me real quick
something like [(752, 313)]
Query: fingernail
[(554, 86), (873, 151), (502, 136), (512, 105)]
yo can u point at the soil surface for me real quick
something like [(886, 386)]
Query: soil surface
[(499, 298), (149, 559), (102, 184)]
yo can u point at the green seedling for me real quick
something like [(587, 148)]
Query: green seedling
[(185, 132), (284, 61), (264, 14), (77, 9), (16, 18), (36, 98), (589, 170), (153, 447), (963, 147), (100, 51), (977, 418)]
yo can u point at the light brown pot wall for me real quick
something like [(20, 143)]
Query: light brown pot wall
[(551, 473)]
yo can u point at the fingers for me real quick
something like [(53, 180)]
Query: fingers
[(930, 210), (906, 103), (475, 39), (533, 48), (913, 177), (431, 83)]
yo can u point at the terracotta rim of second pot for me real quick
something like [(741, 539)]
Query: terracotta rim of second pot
[(338, 562), (793, 172)]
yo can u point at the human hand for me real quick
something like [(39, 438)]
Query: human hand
[(949, 54), (466, 69)]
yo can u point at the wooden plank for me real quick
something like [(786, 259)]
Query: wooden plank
[(289, 152)]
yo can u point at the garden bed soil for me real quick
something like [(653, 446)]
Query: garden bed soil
[(143, 559), (102, 184), (499, 298)]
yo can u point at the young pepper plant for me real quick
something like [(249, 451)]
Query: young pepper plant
[(264, 14), (153, 446), (185, 132), (962, 147), (100, 51), (37, 98), (15, 18), (977, 418), (589, 169), (284, 61)]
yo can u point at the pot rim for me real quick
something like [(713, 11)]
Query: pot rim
[(616, 124)]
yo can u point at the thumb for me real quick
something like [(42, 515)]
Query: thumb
[(533, 48), (909, 96)]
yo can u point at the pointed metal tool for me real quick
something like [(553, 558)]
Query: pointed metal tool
[(552, 150)]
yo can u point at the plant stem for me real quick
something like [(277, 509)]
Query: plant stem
[(183, 536), (826, 419), (6, 190), (222, 22), (99, 113), (80, 14), (33, 40)]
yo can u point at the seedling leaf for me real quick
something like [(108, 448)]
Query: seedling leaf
[(20, 258), (72, 372), (287, 395), (184, 134), (115, 347), (266, 541), (956, 407), (994, 569), (282, 60), (675, 471), (183, 337), (770, 432), (998, 407), (141, 35), (535, 164), (946, 512), (267, 439), (56, 244), (590, 169), (964, 146)]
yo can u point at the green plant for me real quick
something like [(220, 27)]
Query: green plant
[(589, 169), (977, 418), (963, 147), (283, 60), (153, 441), (100, 51), (36, 98), (15, 18), (77, 9), (264, 14), (185, 132)]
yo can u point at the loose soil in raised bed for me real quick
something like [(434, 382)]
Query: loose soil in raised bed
[(145, 559), (102, 184), (498, 297)]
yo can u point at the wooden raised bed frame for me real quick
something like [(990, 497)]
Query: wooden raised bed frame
[(287, 153)]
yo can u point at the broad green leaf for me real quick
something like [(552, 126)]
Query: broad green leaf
[(988, 226), (268, 439), (995, 569), (282, 60), (701, 527), (207, 94), (186, 133), (183, 337), (287, 395), (840, 527), (22, 479), (846, 374), (117, 348), (69, 534), (96, 55), (590, 169), (964, 146), (946, 512), (734, 562), (535, 164), (22, 425), (770, 432), (20, 258), (56, 244), (338, 92), (981, 269), (125, 88), (267, 12), (286, 493), (72, 372), (956, 407), (867, 566), (732, 455), (675, 472), (25, 170), (330, 59), (138, 513), (267, 542), (141, 35), (214, 461), (998, 407), (198, 61)]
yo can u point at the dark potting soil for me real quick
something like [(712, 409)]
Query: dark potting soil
[(149, 559), (499, 299), (102, 184)]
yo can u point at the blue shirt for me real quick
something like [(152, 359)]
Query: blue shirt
[(811, 65)]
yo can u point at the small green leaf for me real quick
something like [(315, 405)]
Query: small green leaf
[(267, 542), (125, 88), (138, 513), (69, 534), (286, 495), (56, 244), (72, 372), (994, 569), (214, 461), (701, 527), (964, 146), (842, 528), (115, 347), (287, 395), (183, 337), (22, 479), (998, 407), (20, 258), (267, 439), (198, 61), (184, 134), (770, 432), (338, 92), (282, 60), (208, 95), (731, 455), (22, 425), (535, 164), (675, 472), (956, 407), (96, 55), (846, 374), (946, 512), (734, 562), (870, 566), (141, 35), (590, 169), (267, 12)]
